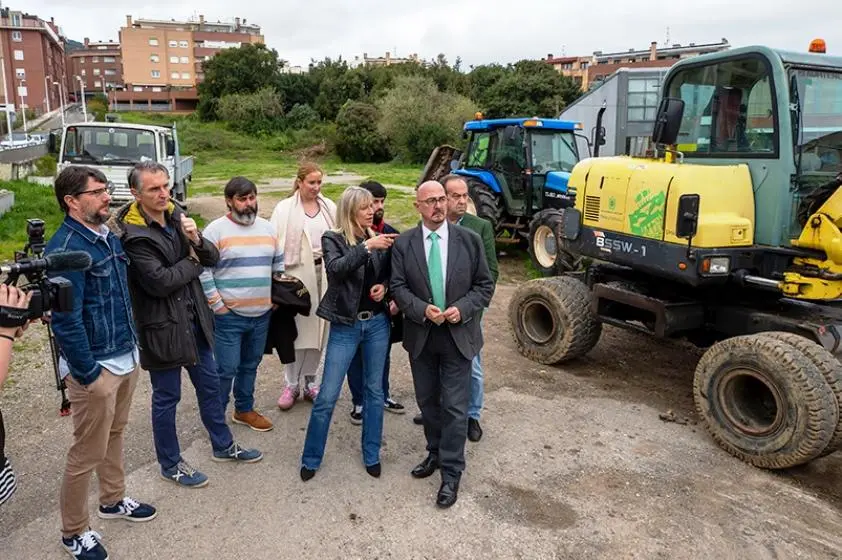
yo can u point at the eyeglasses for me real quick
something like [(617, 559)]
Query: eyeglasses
[(434, 201), (98, 192)]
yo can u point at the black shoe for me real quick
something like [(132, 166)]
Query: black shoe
[(426, 467), (307, 474), (448, 492), (374, 470), (474, 430), (418, 420)]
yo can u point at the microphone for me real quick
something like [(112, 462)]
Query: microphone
[(71, 261)]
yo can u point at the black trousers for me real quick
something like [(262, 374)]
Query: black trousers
[(442, 379)]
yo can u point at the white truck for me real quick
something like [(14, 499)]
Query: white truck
[(114, 147)]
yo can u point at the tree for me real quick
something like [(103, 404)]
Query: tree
[(416, 117), (529, 88), (246, 69), (252, 113), (357, 137)]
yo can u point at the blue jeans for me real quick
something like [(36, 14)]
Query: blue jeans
[(166, 393), (372, 337), (239, 348), (355, 377), (477, 389)]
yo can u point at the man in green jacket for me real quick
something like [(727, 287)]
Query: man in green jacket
[(457, 213)]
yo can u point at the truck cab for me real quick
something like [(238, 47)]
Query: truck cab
[(114, 148)]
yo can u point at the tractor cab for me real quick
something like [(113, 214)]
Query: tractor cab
[(517, 167), (514, 168)]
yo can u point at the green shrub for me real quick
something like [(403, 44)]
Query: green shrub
[(357, 136), (253, 113), (301, 116), (45, 166), (416, 117)]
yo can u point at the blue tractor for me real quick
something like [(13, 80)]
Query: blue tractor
[(515, 169)]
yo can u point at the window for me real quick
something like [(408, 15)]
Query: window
[(184, 60), (16, 21), (173, 60), (139, 88), (153, 41), (156, 74), (728, 108), (478, 150), (96, 71), (110, 72), (174, 75), (18, 55), (20, 73), (185, 75), (820, 139), (95, 59), (109, 59), (81, 60), (154, 58), (16, 36), (182, 44), (83, 71), (156, 90), (553, 151), (173, 44), (643, 99), (97, 84)]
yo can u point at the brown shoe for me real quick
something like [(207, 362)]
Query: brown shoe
[(253, 420)]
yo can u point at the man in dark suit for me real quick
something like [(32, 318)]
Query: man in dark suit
[(441, 282)]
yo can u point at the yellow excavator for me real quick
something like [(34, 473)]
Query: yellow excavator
[(727, 236)]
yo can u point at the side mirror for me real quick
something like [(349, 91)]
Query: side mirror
[(170, 147), (464, 135), (688, 216), (668, 121), (51, 143)]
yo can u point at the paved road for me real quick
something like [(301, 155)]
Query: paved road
[(73, 114)]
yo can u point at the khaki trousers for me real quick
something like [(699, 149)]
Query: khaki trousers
[(100, 413)]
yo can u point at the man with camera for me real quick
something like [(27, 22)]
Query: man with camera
[(175, 323), (98, 345)]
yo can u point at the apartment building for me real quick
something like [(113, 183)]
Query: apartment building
[(162, 60), (387, 60), (98, 65), (32, 50), (586, 70)]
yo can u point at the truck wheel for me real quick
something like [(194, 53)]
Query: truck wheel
[(552, 321), (486, 204), (545, 250), (828, 366), (764, 401)]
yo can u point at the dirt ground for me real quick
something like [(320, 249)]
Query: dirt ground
[(575, 463)]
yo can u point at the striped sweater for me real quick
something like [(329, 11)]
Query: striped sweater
[(248, 256)]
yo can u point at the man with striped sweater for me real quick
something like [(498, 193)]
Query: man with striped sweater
[(238, 289)]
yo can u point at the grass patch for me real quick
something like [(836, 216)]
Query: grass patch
[(45, 166), (31, 201)]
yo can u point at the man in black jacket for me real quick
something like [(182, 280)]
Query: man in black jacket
[(175, 325), (441, 282)]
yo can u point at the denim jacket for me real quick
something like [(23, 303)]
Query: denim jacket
[(100, 325)]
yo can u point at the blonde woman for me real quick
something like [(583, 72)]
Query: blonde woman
[(300, 221), (358, 268)]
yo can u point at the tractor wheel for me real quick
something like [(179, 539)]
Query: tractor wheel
[(552, 321), (486, 204), (828, 366), (545, 250), (764, 401)]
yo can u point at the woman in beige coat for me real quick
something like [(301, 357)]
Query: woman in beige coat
[(300, 221)]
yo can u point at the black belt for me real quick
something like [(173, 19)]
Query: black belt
[(367, 315)]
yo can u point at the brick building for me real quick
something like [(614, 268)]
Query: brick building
[(33, 59), (99, 66), (162, 60)]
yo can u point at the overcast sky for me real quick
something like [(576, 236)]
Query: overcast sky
[(480, 31)]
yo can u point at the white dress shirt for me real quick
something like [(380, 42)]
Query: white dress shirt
[(442, 233)]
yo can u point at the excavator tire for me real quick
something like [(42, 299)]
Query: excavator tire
[(764, 401), (545, 248), (828, 366), (552, 321)]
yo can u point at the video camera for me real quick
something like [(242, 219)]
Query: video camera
[(48, 294)]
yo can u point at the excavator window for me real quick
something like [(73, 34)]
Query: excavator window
[(729, 109)]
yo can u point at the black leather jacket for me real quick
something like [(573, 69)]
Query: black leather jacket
[(345, 270)]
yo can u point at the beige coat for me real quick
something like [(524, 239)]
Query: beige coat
[(312, 330)]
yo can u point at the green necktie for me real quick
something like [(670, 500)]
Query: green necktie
[(434, 268)]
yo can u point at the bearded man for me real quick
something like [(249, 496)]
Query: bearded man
[(238, 288)]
